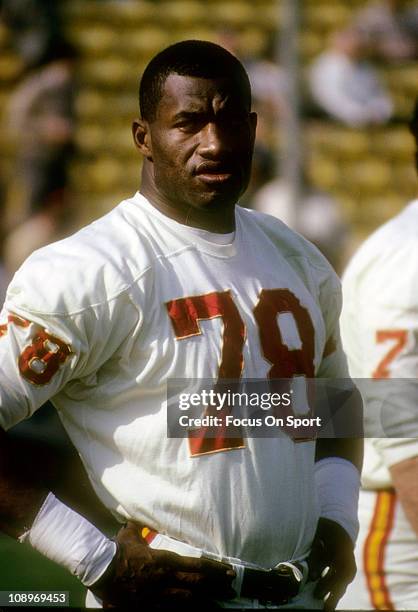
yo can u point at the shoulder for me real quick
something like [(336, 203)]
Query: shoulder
[(386, 264), (293, 246), (391, 245), (92, 267), (304, 259)]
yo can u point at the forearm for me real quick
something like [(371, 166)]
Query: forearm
[(350, 449), (29, 512), (21, 490), (405, 481), (337, 478), (346, 407)]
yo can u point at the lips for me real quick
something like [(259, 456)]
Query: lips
[(213, 173)]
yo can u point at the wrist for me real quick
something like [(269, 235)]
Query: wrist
[(338, 483), (66, 537)]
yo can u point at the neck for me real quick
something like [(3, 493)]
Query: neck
[(217, 219)]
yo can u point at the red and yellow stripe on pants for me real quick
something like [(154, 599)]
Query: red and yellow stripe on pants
[(374, 550)]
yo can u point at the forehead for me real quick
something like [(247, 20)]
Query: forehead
[(187, 93)]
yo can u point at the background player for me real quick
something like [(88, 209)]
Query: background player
[(380, 335), (178, 282)]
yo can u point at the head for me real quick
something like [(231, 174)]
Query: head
[(196, 133), (349, 42), (413, 126)]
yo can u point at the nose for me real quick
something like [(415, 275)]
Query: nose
[(213, 141)]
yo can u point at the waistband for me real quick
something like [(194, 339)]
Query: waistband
[(273, 585)]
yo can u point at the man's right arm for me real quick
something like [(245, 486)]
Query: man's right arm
[(121, 572), (39, 355)]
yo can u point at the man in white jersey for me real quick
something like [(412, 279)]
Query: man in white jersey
[(179, 283), (380, 334)]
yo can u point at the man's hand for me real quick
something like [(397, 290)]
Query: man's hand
[(161, 580), (331, 548)]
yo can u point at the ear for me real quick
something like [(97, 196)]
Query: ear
[(142, 138)]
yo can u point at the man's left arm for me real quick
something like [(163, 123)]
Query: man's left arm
[(337, 475), (338, 463)]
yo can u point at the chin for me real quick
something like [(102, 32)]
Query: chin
[(225, 198), (214, 205)]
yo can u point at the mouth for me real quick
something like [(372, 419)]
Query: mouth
[(213, 174), (215, 178)]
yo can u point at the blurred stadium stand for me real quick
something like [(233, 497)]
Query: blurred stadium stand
[(369, 171)]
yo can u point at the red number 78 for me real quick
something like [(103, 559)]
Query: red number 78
[(186, 314)]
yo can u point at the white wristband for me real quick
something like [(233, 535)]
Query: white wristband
[(338, 483), (69, 539)]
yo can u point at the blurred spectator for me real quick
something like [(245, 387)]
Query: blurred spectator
[(346, 85), (390, 29), (41, 124), (268, 81), (317, 217), (36, 231), (33, 24)]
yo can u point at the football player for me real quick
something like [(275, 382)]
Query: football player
[(380, 335), (177, 282)]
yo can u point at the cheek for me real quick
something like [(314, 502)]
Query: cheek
[(164, 161), (170, 170), (168, 155)]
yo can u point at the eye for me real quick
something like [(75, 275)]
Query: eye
[(190, 124)]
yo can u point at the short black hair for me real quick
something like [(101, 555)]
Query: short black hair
[(196, 58)]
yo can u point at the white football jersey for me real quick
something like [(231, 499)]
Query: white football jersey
[(379, 328), (100, 321)]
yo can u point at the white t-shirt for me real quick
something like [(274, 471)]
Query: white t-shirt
[(102, 320), (379, 328)]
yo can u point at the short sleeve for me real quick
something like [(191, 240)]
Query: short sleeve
[(35, 363), (41, 352)]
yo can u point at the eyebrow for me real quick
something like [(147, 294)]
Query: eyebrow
[(193, 112), (186, 114)]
